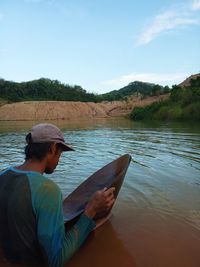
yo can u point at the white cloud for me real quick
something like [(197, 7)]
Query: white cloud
[(162, 79), (196, 5), (169, 20)]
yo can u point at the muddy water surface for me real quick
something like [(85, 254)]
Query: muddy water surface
[(156, 219)]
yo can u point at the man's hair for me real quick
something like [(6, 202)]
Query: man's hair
[(37, 151)]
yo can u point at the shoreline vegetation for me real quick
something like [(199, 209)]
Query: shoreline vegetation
[(46, 99), (183, 104)]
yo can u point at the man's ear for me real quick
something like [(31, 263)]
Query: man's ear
[(53, 148)]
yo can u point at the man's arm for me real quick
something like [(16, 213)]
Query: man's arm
[(57, 245)]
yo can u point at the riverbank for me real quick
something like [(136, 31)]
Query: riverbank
[(182, 105), (69, 110)]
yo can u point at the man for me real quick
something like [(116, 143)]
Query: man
[(32, 228)]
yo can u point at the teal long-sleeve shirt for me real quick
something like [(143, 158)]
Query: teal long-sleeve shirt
[(32, 229)]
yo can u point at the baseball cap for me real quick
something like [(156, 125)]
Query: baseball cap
[(46, 133)]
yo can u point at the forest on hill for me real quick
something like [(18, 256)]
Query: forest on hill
[(183, 104), (53, 90), (136, 88), (43, 89)]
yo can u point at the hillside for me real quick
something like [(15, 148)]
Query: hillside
[(43, 89), (187, 82), (135, 88), (183, 104), (145, 100), (46, 99), (53, 90), (69, 110)]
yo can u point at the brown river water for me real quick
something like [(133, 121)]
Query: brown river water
[(156, 219)]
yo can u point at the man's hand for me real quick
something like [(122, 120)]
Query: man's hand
[(100, 202)]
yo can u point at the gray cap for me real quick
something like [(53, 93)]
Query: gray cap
[(46, 133)]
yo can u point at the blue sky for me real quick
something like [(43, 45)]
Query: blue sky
[(101, 45)]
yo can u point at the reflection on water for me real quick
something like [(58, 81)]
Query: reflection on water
[(156, 219), (103, 248)]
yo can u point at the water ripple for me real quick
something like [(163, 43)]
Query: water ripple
[(164, 174)]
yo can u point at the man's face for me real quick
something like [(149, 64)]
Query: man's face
[(53, 159)]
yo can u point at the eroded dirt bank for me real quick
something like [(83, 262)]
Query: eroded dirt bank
[(63, 110)]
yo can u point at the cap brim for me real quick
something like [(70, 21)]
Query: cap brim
[(66, 147)]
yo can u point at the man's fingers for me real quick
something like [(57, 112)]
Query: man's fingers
[(109, 198), (102, 200), (110, 203), (109, 191)]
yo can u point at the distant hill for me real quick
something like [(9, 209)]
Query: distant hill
[(48, 90), (136, 88), (43, 89), (183, 102)]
